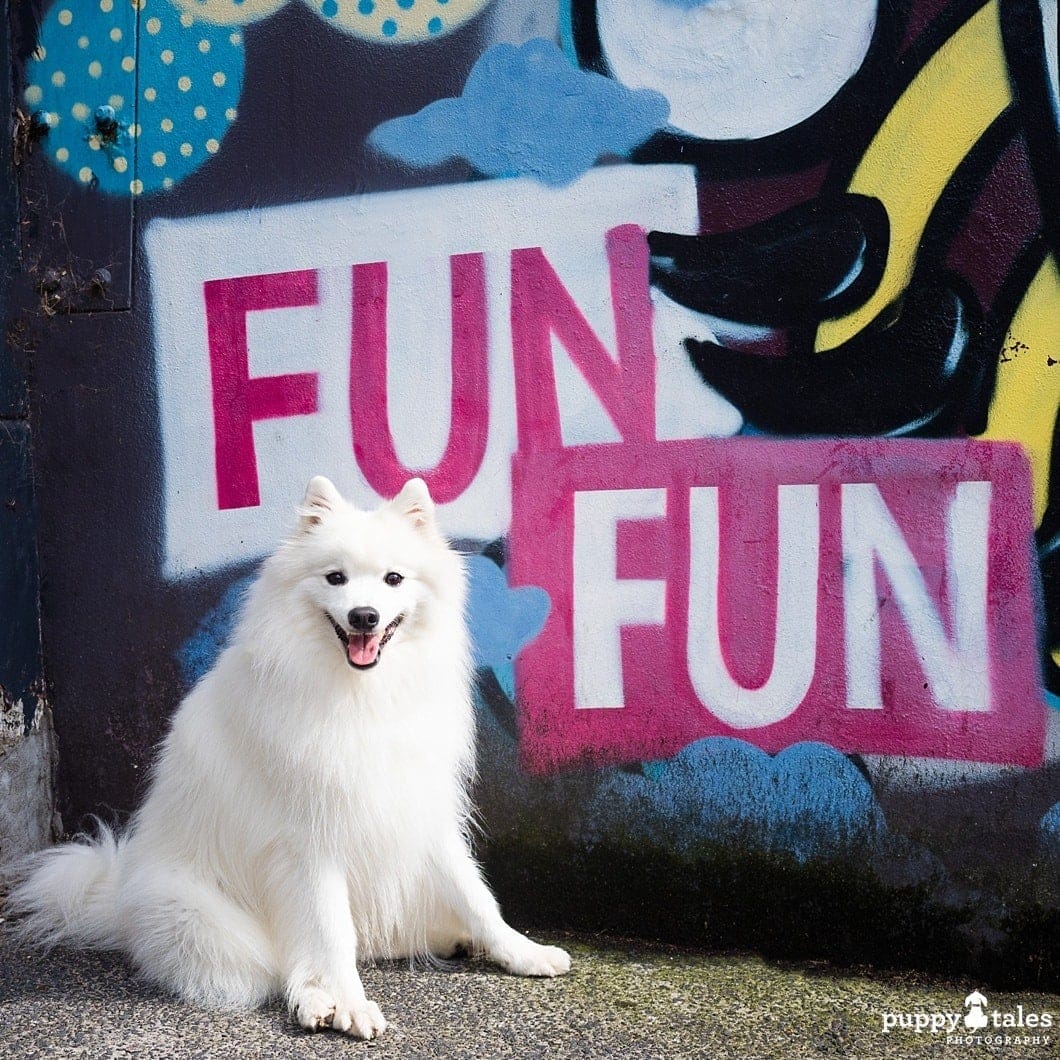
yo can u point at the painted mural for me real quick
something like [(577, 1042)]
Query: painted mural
[(724, 334)]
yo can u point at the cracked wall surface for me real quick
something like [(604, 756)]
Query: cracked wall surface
[(27, 759)]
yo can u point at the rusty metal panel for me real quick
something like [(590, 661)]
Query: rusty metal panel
[(78, 82)]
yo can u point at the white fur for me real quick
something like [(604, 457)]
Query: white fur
[(304, 814)]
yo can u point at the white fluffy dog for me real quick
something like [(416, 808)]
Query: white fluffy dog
[(309, 806)]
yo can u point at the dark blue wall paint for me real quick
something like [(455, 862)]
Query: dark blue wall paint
[(20, 666)]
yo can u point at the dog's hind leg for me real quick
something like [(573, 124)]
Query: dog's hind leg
[(447, 935), (448, 943), (189, 937), (462, 889)]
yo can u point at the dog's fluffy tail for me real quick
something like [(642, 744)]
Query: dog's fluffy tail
[(68, 894)]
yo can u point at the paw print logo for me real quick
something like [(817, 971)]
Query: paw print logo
[(976, 1018)]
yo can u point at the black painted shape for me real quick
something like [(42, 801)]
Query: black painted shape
[(497, 702), (913, 377), (1002, 310), (890, 82), (1049, 559), (819, 259), (1024, 40), (1005, 305), (1048, 541)]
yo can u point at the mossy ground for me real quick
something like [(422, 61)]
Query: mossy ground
[(771, 904), (758, 1007)]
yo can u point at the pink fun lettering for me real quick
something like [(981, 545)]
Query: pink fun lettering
[(373, 442), (778, 591), (542, 307), (239, 400)]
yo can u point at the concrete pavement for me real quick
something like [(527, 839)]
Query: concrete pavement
[(623, 999)]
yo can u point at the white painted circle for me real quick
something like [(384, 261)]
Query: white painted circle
[(736, 69)]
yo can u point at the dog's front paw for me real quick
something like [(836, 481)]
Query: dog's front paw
[(313, 1008), (316, 1009), (361, 1019), (529, 958)]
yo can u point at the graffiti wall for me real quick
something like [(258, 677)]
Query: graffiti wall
[(724, 335)]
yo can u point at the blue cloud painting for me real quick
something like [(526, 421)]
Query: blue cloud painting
[(501, 620), (1049, 832), (808, 801), (526, 111), (199, 652)]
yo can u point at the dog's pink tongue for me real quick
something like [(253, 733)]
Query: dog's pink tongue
[(363, 648)]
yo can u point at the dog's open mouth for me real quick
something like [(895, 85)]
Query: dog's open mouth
[(362, 649)]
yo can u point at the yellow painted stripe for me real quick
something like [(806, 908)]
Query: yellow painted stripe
[(959, 92), (1027, 394)]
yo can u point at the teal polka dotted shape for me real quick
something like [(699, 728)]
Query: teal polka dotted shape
[(396, 22), (172, 103), (190, 82)]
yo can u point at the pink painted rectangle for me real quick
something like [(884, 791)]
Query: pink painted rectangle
[(660, 710)]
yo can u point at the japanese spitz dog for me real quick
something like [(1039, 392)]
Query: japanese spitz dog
[(309, 807)]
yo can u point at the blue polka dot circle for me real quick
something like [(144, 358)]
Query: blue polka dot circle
[(397, 21), (170, 105)]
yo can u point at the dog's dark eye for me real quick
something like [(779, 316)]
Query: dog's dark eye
[(335, 577), (393, 578)]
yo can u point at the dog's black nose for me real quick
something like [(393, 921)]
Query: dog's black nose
[(364, 619)]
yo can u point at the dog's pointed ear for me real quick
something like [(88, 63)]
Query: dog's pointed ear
[(320, 499), (414, 503)]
